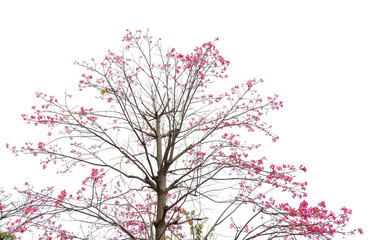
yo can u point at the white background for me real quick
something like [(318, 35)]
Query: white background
[(317, 55)]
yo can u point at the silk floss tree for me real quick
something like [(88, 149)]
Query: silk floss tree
[(158, 146)]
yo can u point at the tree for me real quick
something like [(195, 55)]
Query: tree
[(161, 148), (4, 214), (6, 236)]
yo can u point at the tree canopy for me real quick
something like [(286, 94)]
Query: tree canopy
[(161, 147)]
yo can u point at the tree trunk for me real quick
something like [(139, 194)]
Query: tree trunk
[(160, 223), (161, 204)]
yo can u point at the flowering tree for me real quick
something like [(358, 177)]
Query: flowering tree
[(159, 149)]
